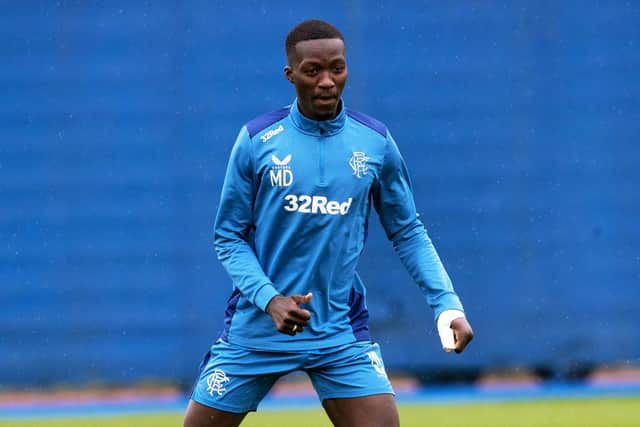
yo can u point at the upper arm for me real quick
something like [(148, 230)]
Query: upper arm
[(392, 192), (235, 212)]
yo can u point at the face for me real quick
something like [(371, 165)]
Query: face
[(318, 70)]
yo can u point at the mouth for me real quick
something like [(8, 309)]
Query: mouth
[(325, 99), (326, 96)]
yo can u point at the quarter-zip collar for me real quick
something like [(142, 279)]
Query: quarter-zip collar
[(318, 128)]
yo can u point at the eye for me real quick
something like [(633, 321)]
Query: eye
[(338, 69), (311, 71)]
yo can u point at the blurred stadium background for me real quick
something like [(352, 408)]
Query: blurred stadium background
[(519, 122)]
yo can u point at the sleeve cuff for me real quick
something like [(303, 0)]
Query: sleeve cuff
[(264, 295)]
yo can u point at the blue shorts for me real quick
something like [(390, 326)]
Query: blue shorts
[(236, 379)]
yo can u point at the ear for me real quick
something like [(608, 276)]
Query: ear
[(288, 73)]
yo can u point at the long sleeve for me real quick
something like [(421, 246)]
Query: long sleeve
[(393, 200), (234, 226)]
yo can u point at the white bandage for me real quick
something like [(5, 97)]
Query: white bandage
[(444, 328)]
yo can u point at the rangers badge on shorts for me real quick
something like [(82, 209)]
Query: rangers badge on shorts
[(377, 364), (216, 382)]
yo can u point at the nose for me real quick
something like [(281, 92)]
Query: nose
[(326, 82)]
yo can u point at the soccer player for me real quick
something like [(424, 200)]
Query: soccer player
[(290, 227)]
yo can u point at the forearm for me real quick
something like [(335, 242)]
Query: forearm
[(420, 258), (240, 262)]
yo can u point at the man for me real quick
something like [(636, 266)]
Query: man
[(290, 227)]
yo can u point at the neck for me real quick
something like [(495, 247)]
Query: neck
[(321, 118)]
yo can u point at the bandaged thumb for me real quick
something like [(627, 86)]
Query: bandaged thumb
[(444, 328)]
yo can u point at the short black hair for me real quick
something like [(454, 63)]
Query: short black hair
[(311, 29)]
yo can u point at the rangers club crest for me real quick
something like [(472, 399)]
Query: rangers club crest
[(358, 163), (216, 382)]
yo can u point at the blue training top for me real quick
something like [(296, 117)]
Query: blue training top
[(293, 219)]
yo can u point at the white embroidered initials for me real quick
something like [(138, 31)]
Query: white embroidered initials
[(281, 174)]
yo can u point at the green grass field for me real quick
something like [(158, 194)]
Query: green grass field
[(618, 412)]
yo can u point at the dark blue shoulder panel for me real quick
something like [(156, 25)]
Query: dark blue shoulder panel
[(368, 121), (264, 121)]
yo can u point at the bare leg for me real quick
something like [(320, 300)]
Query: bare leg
[(378, 410), (203, 416)]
